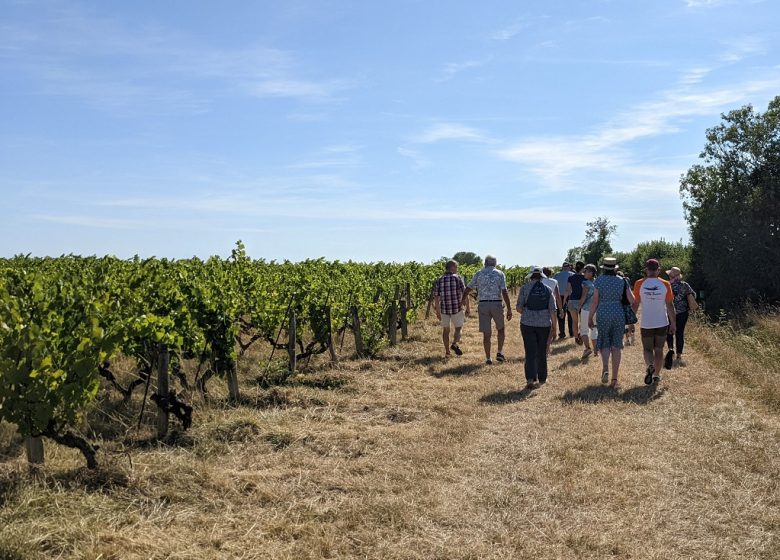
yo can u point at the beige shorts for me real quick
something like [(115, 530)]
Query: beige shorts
[(490, 311), (456, 320)]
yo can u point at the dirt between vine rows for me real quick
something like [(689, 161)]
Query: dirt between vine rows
[(411, 456)]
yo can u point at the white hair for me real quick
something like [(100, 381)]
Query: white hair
[(490, 260)]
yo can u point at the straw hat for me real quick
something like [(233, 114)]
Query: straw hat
[(609, 263)]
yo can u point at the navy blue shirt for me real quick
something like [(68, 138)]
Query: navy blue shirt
[(575, 281)]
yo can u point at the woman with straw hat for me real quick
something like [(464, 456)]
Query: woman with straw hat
[(607, 305)]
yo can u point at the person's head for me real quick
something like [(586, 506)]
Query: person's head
[(490, 260), (451, 266), (536, 273), (674, 274), (546, 271), (609, 266), (578, 266), (566, 266), (589, 270), (652, 268)]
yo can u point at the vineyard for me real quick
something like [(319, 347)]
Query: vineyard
[(64, 321)]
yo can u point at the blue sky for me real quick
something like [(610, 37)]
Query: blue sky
[(366, 130)]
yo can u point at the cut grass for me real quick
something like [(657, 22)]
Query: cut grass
[(410, 456)]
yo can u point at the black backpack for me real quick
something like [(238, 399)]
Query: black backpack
[(538, 298)]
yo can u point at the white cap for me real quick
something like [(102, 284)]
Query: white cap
[(536, 270)]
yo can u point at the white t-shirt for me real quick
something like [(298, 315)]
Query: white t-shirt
[(653, 294), (551, 283)]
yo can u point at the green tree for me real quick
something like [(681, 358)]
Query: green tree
[(597, 242), (467, 257), (733, 209)]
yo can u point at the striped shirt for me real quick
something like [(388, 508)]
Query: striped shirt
[(450, 288)]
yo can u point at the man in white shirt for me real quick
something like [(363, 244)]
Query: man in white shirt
[(490, 284), (656, 297)]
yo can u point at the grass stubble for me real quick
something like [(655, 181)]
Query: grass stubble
[(408, 456)]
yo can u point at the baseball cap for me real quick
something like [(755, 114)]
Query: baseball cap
[(652, 264)]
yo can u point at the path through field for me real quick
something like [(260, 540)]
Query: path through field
[(420, 458)]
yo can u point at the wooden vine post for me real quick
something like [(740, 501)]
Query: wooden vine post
[(291, 341), (34, 448), (404, 320), (163, 360), (392, 320), (430, 302), (331, 349), (409, 303), (361, 352)]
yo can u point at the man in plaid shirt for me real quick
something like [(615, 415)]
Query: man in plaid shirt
[(448, 294)]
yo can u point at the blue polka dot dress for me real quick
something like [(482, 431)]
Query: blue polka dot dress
[(610, 317)]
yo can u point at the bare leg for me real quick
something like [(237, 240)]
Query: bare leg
[(658, 356), (486, 344), (605, 359), (456, 339), (445, 337), (501, 337), (648, 354), (617, 354), (575, 320)]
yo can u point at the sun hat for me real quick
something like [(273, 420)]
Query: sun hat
[(609, 263), (652, 264), (536, 270), (674, 269), (565, 264)]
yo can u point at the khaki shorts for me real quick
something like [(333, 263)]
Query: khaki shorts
[(490, 311), (457, 319), (654, 338)]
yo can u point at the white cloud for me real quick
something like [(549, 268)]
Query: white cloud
[(449, 131), (415, 156), (743, 47), (607, 147), (454, 68), (73, 53)]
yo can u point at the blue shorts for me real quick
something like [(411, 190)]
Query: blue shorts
[(573, 305)]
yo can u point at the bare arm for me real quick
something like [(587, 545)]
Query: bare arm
[(505, 295), (466, 293), (437, 305), (672, 320), (594, 305)]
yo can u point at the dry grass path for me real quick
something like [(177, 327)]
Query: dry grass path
[(415, 457)]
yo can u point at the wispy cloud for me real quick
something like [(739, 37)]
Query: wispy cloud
[(454, 68), (509, 31), (449, 131), (743, 47), (74, 53), (607, 147), (343, 156), (419, 160)]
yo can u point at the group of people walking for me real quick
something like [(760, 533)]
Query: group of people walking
[(600, 310)]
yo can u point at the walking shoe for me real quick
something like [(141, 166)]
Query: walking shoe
[(500, 357), (605, 376), (578, 340), (656, 379), (669, 359), (561, 336), (585, 353), (455, 348), (488, 362), (678, 361), (542, 382), (649, 375), (530, 385)]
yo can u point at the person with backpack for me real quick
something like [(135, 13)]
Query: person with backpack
[(537, 306)]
